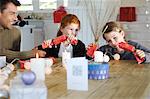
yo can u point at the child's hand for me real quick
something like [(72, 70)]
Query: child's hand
[(140, 53), (41, 53), (47, 44), (73, 40)]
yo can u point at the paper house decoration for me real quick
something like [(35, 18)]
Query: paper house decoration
[(127, 14), (59, 14), (98, 71)]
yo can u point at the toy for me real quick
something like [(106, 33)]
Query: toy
[(132, 49), (58, 40), (91, 49)]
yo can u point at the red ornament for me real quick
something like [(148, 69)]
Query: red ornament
[(59, 14)]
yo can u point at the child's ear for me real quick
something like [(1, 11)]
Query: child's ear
[(61, 29)]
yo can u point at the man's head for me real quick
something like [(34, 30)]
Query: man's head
[(8, 12)]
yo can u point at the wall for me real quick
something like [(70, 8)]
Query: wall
[(133, 27), (132, 2), (139, 30)]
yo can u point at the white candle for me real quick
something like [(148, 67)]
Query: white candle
[(38, 67), (65, 55), (106, 58)]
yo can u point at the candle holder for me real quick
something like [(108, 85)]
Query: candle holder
[(98, 71)]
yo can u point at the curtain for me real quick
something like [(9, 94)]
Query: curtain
[(99, 12)]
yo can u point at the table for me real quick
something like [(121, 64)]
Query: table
[(128, 80)]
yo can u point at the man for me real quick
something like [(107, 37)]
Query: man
[(10, 37)]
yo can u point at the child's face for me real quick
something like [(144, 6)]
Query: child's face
[(114, 37), (71, 29)]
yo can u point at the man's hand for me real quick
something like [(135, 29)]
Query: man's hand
[(40, 52)]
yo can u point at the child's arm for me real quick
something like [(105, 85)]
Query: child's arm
[(127, 47), (142, 54), (147, 57), (144, 49)]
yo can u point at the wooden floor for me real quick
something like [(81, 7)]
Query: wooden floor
[(128, 80)]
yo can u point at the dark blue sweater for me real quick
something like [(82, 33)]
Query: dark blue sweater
[(126, 55)]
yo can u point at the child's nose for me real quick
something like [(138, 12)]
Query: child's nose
[(15, 18), (74, 33), (114, 42)]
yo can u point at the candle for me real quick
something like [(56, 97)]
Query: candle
[(65, 55), (38, 67), (116, 56), (106, 58)]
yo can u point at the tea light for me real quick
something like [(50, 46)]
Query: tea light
[(106, 58), (65, 55), (116, 57)]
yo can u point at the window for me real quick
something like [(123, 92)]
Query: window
[(65, 3), (25, 5), (37, 5), (48, 4)]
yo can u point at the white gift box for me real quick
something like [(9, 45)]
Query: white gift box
[(18, 90)]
